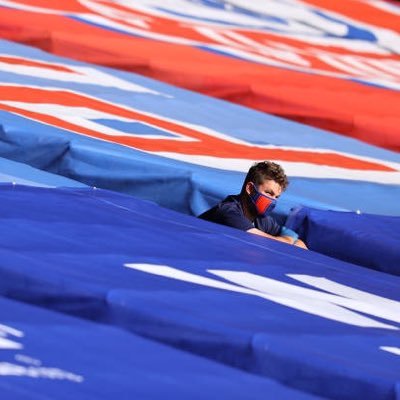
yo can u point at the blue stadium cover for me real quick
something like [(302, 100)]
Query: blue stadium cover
[(185, 151), (14, 172), (364, 239), (330, 64), (46, 355), (308, 321)]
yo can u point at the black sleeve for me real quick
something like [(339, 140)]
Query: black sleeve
[(269, 225), (229, 216)]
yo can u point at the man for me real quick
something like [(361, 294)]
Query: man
[(249, 211)]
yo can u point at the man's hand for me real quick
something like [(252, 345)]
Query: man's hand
[(300, 243), (284, 239), (297, 242)]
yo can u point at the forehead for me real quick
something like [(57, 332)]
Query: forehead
[(270, 185)]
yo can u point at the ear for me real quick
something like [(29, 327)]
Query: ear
[(249, 187)]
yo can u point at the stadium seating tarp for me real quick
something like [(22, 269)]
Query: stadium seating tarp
[(309, 321), (14, 172), (47, 355), (185, 151), (334, 66), (364, 239)]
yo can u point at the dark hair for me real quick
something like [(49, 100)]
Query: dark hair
[(265, 171)]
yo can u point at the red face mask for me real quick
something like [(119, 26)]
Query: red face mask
[(264, 204)]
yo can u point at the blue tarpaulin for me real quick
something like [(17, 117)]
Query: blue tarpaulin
[(364, 239), (14, 172), (311, 322), (46, 355), (107, 296), (185, 151)]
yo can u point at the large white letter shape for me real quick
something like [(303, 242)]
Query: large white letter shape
[(335, 305), (7, 344)]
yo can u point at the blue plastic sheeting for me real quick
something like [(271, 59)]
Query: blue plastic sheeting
[(46, 355), (314, 323), (53, 109), (14, 172), (364, 239)]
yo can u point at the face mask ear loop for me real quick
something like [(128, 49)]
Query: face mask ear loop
[(254, 194)]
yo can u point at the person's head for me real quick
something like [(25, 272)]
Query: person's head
[(264, 178)]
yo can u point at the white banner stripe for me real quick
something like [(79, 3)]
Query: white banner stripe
[(294, 169)]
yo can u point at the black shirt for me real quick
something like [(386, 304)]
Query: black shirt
[(230, 212)]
